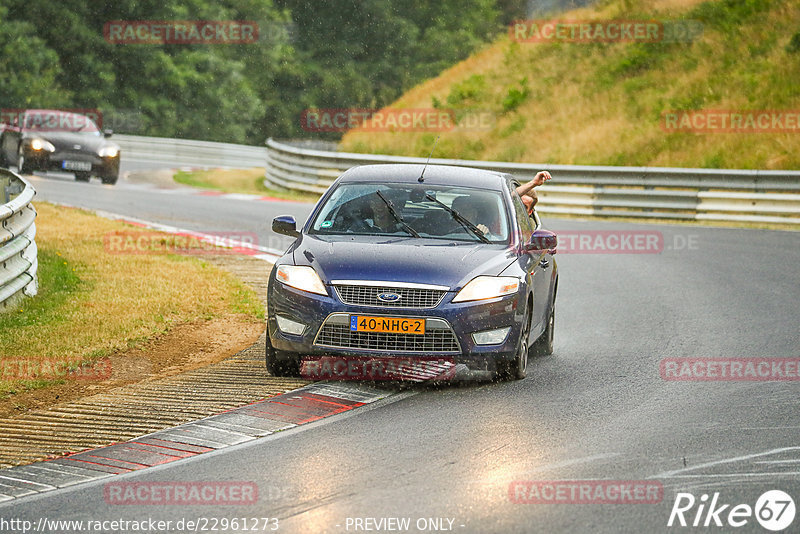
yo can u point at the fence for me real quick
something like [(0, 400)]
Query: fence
[(641, 192), (18, 253)]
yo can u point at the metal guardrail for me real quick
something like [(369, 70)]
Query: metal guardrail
[(18, 252), (642, 192), (190, 153)]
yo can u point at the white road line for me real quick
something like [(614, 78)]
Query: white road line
[(574, 461), (745, 475), (667, 474), (550, 467), (267, 254)]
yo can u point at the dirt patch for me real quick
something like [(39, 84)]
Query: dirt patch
[(160, 178), (184, 348)]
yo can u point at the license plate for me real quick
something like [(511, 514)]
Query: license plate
[(388, 325), (76, 165)]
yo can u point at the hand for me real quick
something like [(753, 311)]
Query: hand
[(482, 228), (540, 178)]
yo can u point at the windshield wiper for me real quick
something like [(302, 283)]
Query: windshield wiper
[(397, 216), (460, 218)]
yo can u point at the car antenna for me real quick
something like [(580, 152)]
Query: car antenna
[(422, 174)]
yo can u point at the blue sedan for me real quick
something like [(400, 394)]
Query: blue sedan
[(407, 261)]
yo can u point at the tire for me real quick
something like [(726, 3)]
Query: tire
[(544, 345), (517, 369), (22, 168), (109, 180), (82, 176), (284, 367), (3, 162)]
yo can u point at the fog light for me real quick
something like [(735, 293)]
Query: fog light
[(491, 337), (289, 326)]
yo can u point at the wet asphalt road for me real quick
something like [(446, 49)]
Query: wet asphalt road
[(597, 409)]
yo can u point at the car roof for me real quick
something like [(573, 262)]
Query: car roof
[(434, 175)]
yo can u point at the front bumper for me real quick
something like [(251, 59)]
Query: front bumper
[(41, 160), (449, 328)]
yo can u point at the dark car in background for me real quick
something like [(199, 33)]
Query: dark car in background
[(56, 140), (393, 263)]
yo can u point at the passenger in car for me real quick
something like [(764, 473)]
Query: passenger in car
[(484, 215), (528, 193)]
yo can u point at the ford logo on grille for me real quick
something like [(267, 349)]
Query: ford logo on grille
[(389, 297)]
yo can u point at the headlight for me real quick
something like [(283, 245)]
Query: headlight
[(487, 287), (301, 277), (41, 144), (108, 152)]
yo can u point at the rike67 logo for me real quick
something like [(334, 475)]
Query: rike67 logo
[(774, 510)]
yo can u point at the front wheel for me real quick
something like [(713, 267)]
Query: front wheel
[(3, 161), (285, 367), (517, 369), (23, 167), (544, 345)]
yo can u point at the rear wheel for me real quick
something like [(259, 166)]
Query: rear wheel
[(82, 176), (283, 366)]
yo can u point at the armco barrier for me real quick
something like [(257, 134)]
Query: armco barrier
[(18, 253), (654, 192), (189, 153)]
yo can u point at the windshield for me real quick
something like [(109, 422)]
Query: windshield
[(59, 121), (412, 210)]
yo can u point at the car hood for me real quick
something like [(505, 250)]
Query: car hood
[(423, 261), (68, 140)]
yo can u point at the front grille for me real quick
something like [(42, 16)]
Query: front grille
[(434, 340), (409, 297)]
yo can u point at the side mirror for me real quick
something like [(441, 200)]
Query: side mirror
[(285, 225), (108, 133), (543, 240)]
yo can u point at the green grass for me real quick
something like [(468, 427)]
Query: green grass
[(602, 103), (57, 283), (94, 300)]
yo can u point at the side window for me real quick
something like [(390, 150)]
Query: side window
[(523, 220)]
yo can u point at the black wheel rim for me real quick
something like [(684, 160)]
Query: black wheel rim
[(522, 357)]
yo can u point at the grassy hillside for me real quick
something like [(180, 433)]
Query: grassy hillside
[(574, 103)]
